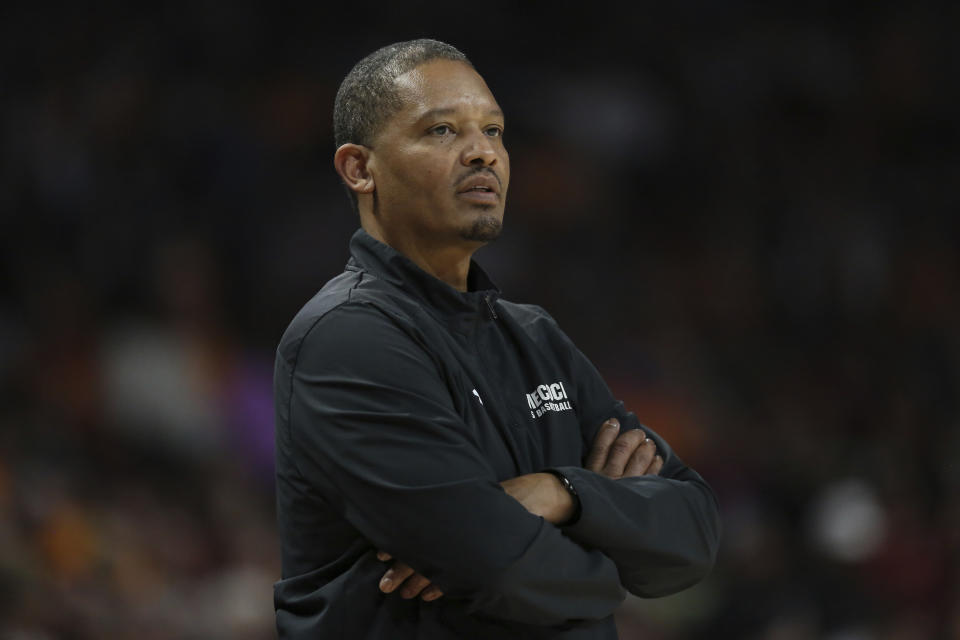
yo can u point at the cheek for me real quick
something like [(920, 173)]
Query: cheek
[(411, 181), (419, 176), (430, 178)]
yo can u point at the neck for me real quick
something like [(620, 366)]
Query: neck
[(449, 263)]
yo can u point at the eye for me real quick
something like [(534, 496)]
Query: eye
[(440, 130), (493, 131)]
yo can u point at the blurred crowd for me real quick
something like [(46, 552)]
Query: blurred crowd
[(746, 216)]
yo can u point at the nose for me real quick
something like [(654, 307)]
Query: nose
[(479, 151)]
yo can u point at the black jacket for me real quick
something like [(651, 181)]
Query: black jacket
[(400, 405)]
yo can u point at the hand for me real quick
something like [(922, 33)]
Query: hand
[(542, 495), (409, 582), (623, 455)]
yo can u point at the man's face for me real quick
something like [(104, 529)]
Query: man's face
[(439, 165)]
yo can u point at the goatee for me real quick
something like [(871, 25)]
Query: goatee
[(483, 229)]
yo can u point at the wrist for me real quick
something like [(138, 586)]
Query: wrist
[(568, 503)]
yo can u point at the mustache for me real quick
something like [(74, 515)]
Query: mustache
[(478, 170)]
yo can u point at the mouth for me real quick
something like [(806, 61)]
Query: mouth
[(479, 196), (481, 188)]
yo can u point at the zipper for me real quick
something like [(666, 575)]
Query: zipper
[(500, 412), (493, 312)]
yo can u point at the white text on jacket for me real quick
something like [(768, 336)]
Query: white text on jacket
[(548, 397)]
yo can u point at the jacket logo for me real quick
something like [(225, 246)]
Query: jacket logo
[(478, 396), (548, 397)]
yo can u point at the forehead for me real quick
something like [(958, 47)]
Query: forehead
[(443, 84)]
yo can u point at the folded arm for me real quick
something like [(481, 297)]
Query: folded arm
[(662, 530), (372, 427)]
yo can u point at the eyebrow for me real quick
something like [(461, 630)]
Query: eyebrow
[(436, 113)]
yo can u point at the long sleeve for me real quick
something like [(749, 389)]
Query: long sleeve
[(368, 421), (662, 531)]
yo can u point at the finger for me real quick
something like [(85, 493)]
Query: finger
[(431, 593), (413, 586), (620, 452), (655, 466), (383, 556), (641, 459), (395, 576), (601, 444)]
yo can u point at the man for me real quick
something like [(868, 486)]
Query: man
[(449, 465)]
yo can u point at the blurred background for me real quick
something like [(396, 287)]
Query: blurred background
[(747, 216)]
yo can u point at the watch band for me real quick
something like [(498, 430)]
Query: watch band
[(568, 486)]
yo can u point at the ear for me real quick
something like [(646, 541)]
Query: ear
[(350, 161)]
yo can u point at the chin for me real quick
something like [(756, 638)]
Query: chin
[(484, 229)]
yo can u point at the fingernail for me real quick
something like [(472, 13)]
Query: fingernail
[(433, 595), (386, 584), (613, 423)]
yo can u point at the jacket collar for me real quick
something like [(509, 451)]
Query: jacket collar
[(369, 254)]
